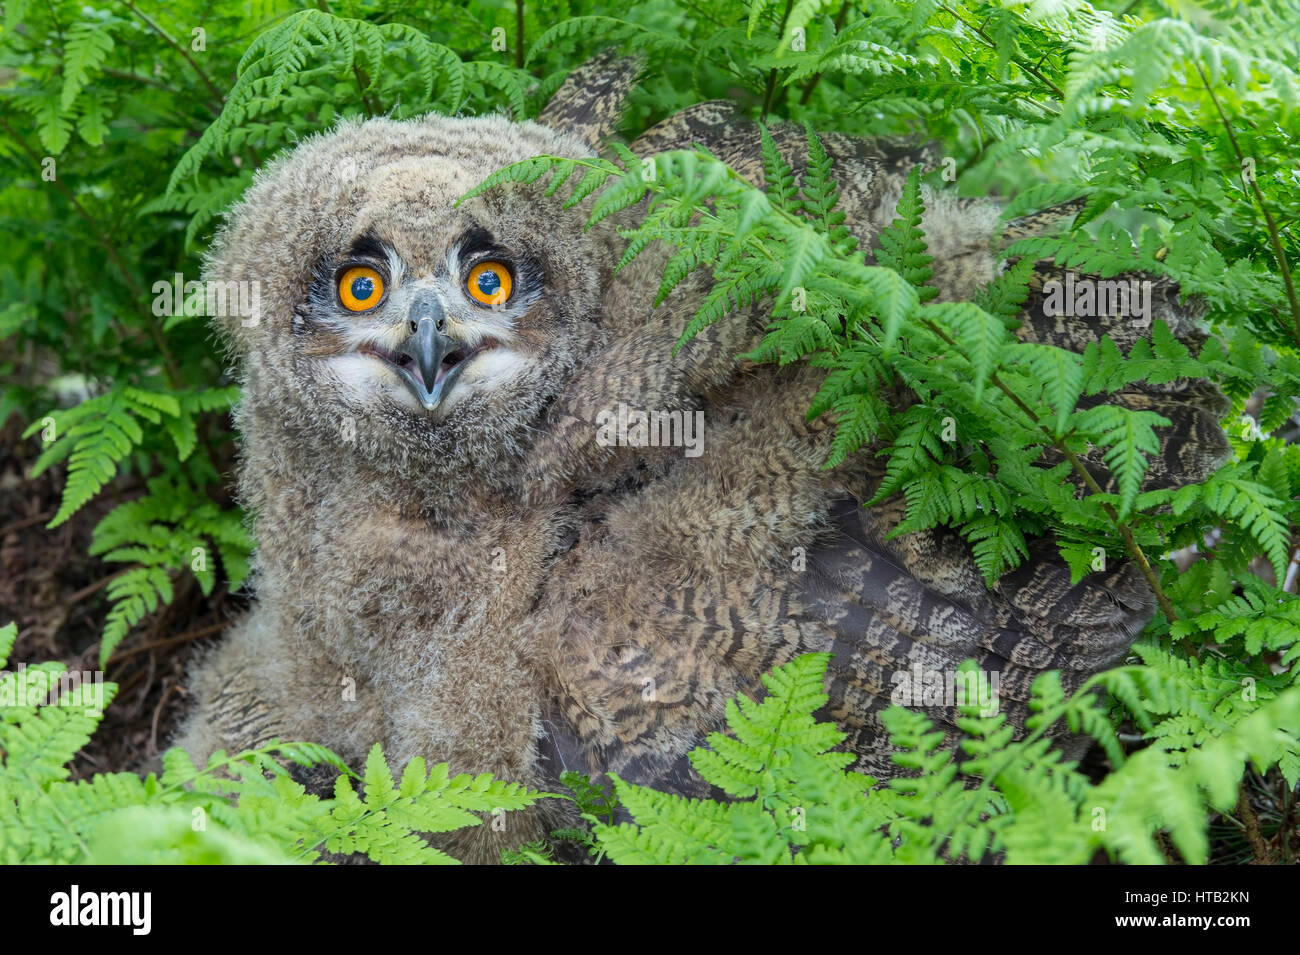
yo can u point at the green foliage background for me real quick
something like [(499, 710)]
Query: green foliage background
[(129, 126)]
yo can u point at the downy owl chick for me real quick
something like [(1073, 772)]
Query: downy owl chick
[(449, 561)]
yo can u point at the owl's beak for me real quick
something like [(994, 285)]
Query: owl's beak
[(428, 348)]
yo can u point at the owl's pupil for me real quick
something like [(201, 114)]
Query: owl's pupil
[(362, 288), (489, 282)]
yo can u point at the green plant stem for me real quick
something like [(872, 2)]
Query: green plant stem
[(840, 17), (363, 83), (171, 41), (519, 34), (1027, 67), (772, 74), (1274, 237), (145, 80)]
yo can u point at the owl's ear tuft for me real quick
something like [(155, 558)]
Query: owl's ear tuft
[(590, 102)]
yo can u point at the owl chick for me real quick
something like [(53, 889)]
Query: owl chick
[(451, 562)]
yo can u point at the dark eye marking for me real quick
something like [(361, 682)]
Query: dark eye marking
[(368, 246), (478, 242), (355, 277)]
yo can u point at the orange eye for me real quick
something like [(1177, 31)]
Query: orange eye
[(360, 288), (490, 283)]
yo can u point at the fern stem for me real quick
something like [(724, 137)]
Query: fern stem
[(89, 589), (171, 41), (363, 83), (519, 34), (152, 749), (146, 80), (1250, 825), (840, 17), (25, 523), (1126, 534), (1027, 67), (170, 641), (772, 74), (1274, 237), (351, 825), (1287, 830)]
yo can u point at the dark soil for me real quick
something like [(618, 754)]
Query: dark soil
[(55, 592)]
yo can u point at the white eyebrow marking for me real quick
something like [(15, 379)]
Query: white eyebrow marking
[(397, 271)]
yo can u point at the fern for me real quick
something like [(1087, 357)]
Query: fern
[(89, 44), (290, 57), (793, 789), (902, 244), (1154, 141), (799, 804), (95, 437), (174, 527), (1263, 622), (240, 809)]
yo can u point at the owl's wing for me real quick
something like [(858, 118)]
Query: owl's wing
[(871, 174), (590, 101), (866, 170), (885, 608), (901, 616)]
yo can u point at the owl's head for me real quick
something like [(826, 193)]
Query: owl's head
[(394, 320)]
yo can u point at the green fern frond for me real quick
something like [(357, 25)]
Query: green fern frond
[(95, 437), (1251, 505), (902, 243), (778, 177), (244, 808), (89, 43), (285, 61), (1127, 437)]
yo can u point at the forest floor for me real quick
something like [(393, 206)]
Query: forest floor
[(55, 592)]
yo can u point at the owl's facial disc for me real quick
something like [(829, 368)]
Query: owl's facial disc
[(429, 326)]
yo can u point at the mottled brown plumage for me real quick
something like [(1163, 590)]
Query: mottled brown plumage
[(486, 583)]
